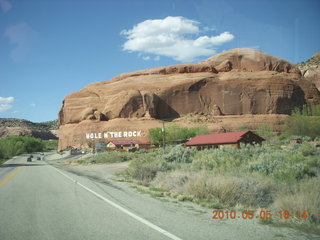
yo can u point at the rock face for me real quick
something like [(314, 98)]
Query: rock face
[(18, 127), (235, 82), (311, 69)]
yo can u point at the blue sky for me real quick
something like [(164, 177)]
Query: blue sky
[(49, 49)]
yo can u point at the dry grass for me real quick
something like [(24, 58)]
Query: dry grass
[(250, 191), (305, 197), (171, 181)]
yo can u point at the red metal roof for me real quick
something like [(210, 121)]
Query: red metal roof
[(218, 138)]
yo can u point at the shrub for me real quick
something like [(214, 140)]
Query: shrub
[(171, 181), (308, 149), (227, 158), (180, 154), (110, 157), (303, 197), (248, 191), (267, 163), (144, 168), (293, 163), (230, 191)]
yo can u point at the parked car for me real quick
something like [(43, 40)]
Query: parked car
[(38, 158), (29, 159)]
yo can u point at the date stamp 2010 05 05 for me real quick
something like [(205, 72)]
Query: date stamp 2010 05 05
[(261, 214)]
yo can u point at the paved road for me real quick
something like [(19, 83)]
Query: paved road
[(41, 201)]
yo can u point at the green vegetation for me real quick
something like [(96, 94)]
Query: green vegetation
[(12, 146), (304, 122), (175, 134), (108, 157), (277, 176), (50, 145), (266, 131), (272, 177)]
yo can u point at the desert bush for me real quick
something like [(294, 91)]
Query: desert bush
[(110, 157), (220, 160), (307, 149), (304, 196), (267, 163), (251, 177), (171, 181), (228, 158), (295, 162), (145, 168), (204, 160), (250, 191), (180, 154)]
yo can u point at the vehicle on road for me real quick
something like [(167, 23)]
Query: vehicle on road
[(29, 159), (38, 158)]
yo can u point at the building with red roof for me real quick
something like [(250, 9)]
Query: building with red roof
[(230, 138), (127, 145)]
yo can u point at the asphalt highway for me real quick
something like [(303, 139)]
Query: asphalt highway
[(41, 201)]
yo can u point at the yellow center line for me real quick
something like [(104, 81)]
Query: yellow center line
[(13, 173)]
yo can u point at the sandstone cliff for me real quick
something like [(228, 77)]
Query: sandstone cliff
[(235, 82), (311, 69)]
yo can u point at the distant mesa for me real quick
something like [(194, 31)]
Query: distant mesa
[(19, 127), (235, 82)]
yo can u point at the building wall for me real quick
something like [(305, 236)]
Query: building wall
[(217, 146), (110, 145)]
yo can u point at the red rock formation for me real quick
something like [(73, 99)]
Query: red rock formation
[(235, 82)]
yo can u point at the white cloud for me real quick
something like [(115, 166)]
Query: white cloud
[(19, 35), (6, 103), (32, 104), (5, 5), (148, 58), (172, 37)]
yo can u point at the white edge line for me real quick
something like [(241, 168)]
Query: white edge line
[(140, 219)]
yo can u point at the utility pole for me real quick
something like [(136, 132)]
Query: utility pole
[(163, 136)]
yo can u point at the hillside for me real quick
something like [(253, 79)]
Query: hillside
[(20, 127), (310, 69)]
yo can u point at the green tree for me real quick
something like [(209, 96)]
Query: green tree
[(304, 122), (12, 146), (175, 134)]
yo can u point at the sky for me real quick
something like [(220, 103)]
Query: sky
[(51, 48)]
